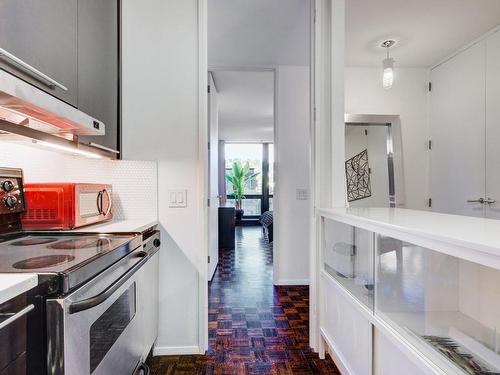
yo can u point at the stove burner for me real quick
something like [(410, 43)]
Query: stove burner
[(42, 261), (33, 241), (80, 243)]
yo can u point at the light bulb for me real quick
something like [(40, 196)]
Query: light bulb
[(388, 74)]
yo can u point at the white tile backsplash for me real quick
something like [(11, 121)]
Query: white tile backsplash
[(135, 183)]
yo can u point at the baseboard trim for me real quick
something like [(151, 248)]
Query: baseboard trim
[(284, 282), (175, 350)]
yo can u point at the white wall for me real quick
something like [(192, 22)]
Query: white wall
[(408, 99), (292, 219), (160, 122), (251, 133)]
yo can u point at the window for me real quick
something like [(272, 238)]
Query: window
[(258, 191)]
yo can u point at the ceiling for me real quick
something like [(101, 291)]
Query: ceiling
[(246, 102), (250, 33), (427, 31)]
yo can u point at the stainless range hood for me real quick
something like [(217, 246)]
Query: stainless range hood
[(31, 116), (26, 105)]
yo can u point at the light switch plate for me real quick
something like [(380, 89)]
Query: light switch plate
[(177, 198)]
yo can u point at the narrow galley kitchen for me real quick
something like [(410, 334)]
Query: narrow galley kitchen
[(259, 57)]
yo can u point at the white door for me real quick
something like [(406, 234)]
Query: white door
[(493, 125), (213, 194), (457, 115)]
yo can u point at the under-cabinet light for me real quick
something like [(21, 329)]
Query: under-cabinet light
[(72, 150)]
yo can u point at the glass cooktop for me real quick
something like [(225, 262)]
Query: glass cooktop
[(56, 252)]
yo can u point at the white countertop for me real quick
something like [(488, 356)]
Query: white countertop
[(116, 226), (14, 284), (471, 238)]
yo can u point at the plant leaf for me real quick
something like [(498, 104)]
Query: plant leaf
[(246, 168), (236, 168)]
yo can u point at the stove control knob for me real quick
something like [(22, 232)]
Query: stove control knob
[(157, 242), (8, 185), (10, 201)]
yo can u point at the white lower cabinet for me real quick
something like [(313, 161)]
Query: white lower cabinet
[(390, 306), (355, 344), (347, 331), (388, 359)]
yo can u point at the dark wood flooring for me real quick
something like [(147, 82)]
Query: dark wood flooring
[(253, 326)]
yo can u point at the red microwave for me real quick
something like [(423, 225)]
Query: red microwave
[(66, 205)]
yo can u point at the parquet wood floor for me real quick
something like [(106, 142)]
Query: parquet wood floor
[(253, 326)]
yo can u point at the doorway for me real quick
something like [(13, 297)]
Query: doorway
[(241, 125), (236, 47)]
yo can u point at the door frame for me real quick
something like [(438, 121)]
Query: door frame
[(328, 185), (202, 175), (326, 188), (274, 70), (213, 204)]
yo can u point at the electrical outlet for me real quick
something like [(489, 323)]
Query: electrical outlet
[(302, 194)]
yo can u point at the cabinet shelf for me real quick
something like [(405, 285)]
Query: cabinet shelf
[(444, 306)]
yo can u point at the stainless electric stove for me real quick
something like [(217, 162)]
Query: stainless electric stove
[(72, 259), (85, 315)]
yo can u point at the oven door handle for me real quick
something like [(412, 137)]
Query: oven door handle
[(91, 302)]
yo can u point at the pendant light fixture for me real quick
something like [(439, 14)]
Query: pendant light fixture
[(388, 65)]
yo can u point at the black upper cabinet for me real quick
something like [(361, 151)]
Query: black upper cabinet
[(41, 38), (98, 72), (74, 43)]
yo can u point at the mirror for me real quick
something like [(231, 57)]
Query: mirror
[(439, 80), (374, 165)]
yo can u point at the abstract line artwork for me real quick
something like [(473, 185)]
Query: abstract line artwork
[(357, 173)]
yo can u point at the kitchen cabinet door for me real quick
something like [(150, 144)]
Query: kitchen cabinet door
[(346, 329), (43, 36), (388, 359), (457, 119), (493, 125), (98, 74)]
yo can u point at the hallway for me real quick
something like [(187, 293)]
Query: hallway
[(254, 327)]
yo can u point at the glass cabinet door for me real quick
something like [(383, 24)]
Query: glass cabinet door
[(447, 306), (349, 258)]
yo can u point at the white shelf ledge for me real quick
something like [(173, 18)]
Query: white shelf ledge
[(469, 238)]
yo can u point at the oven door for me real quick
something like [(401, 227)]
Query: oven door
[(93, 204), (97, 329)]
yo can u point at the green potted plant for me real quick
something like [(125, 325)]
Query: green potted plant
[(238, 178)]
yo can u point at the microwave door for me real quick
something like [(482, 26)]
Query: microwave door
[(88, 207), (93, 204)]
